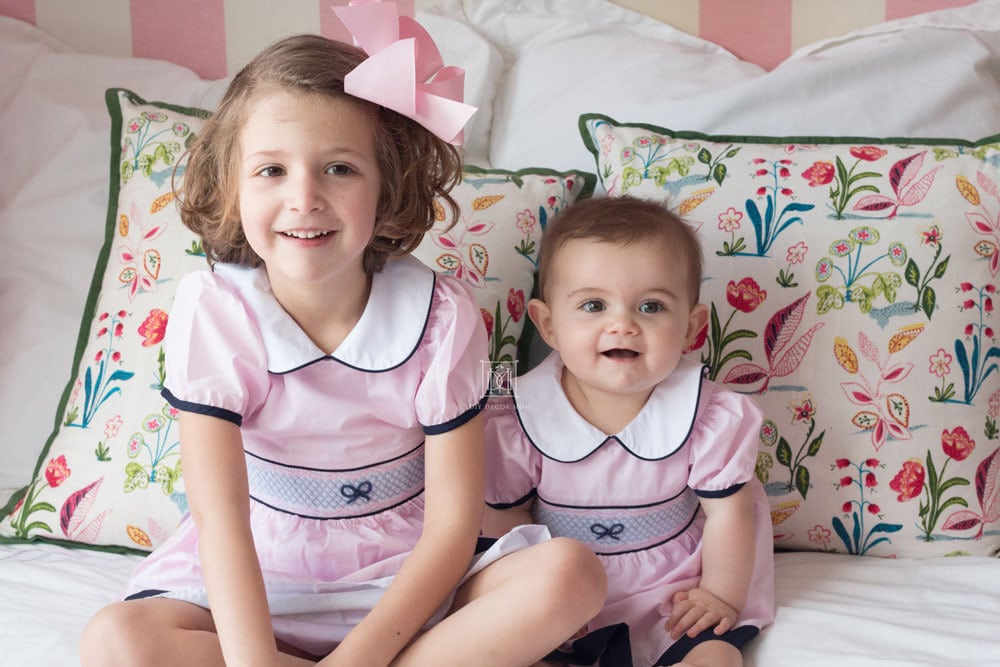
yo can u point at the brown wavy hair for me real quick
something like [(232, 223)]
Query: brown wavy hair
[(416, 166), (623, 221)]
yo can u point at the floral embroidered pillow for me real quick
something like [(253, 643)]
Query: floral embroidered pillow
[(111, 475), (851, 286)]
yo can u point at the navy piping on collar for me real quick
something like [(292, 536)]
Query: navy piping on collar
[(721, 493), (337, 518), (364, 467), (416, 346), (451, 424), (520, 501), (694, 419), (198, 408)]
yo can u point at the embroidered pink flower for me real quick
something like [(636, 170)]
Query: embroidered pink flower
[(874, 509), (931, 236), (846, 507), (515, 304), (819, 535), (868, 153), (940, 363), (820, 173), (871, 463), (729, 220), (909, 481), (112, 426), (957, 444), (797, 253), (803, 411), (842, 463), (994, 404), (525, 221), (847, 480), (153, 328), (746, 295), (870, 480), (57, 472)]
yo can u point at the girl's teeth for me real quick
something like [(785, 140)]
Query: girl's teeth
[(306, 235)]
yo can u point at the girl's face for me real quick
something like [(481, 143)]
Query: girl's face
[(309, 187), (620, 316)]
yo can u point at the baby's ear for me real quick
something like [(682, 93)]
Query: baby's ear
[(696, 322), (539, 313)]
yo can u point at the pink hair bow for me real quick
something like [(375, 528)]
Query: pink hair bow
[(404, 70)]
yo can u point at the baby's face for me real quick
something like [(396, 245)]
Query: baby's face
[(620, 316)]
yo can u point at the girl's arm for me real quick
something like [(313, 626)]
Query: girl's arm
[(453, 493), (497, 523), (216, 483), (728, 552)]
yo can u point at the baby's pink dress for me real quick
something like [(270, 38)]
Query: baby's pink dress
[(633, 496), (334, 443)]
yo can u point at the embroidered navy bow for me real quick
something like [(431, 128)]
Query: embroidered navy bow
[(612, 531), (353, 493)]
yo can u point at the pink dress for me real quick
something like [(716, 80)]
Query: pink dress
[(633, 496), (334, 443)]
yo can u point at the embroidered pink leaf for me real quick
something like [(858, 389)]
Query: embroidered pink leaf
[(782, 325), (903, 172), (445, 241), (961, 520), (879, 435), (76, 507), (987, 184), (125, 254), (919, 189), (897, 372), (874, 203), (987, 486), (898, 431), (745, 374), (979, 222), (89, 532), (856, 393), (480, 228), (792, 359), (867, 347), (154, 232)]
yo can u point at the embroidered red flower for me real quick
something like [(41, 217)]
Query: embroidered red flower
[(515, 304), (820, 173), (153, 328), (909, 481), (957, 443), (57, 472), (868, 153), (746, 295), (488, 321)]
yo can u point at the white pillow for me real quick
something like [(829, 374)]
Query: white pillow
[(931, 75)]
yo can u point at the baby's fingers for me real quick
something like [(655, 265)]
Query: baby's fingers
[(683, 622), (724, 626), (705, 621)]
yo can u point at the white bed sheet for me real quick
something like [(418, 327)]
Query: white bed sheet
[(832, 610)]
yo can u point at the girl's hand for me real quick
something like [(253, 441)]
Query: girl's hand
[(697, 610)]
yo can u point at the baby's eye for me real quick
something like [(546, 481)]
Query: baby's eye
[(592, 306), (650, 307), (271, 171), (339, 170)]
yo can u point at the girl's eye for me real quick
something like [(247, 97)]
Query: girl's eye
[(592, 306), (339, 170), (271, 172), (650, 307)]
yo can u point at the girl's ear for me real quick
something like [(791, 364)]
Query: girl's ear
[(696, 322), (539, 313)]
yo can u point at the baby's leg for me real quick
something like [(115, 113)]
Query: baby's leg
[(155, 632), (516, 610), (713, 653)]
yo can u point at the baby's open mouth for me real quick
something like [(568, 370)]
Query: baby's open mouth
[(619, 353)]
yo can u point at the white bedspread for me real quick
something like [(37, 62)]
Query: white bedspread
[(833, 610)]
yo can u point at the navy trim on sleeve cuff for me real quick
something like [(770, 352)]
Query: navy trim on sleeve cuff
[(517, 503), (198, 408), (452, 424), (722, 493)]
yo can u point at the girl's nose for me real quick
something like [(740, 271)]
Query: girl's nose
[(303, 194), (622, 323)]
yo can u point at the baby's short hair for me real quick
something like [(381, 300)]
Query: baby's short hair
[(622, 221)]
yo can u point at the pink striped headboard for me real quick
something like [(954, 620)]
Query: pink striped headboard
[(216, 37)]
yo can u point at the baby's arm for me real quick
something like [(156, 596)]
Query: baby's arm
[(728, 551), (216, 483), (499, 522), (453, 478)]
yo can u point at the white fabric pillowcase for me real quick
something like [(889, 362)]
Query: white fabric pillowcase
[(870, 83)]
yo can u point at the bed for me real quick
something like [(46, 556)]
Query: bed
[(844, 177)]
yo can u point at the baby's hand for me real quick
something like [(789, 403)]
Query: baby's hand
[(697, 610)]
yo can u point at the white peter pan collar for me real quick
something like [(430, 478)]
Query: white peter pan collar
[(558, 431), (386, 335)]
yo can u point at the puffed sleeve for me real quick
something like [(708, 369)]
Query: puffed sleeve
[(214, 356), (724, 444), (453, 358), (513, 465)]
